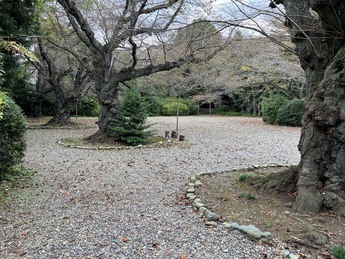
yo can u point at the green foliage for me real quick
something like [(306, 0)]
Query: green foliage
[(16, 82), (270, 106), (291, 113), (268, 224), (170, 109), (88, 106), (186, 106), (129, 124), (226, 110), (338, 252), (19, 18), (12, 132), (154, 105), (192, 105), (244, 177), (247, 196)]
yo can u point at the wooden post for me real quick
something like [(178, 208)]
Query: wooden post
[(177, 114)]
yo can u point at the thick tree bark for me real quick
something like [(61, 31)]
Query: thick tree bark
[(108, 98), (37, 107), (64, 109), (322, 145), (316, 29)]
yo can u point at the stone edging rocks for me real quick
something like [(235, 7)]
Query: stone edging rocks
[(112, 147), (75, 127), (212, 219), (158, 144)]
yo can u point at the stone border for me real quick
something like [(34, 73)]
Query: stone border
[(212, 219), (38, 127), (166, 143)]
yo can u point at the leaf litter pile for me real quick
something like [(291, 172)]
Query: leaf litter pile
[(229, 195)]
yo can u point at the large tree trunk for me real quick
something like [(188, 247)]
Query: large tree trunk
[(108, 98), (316, 27), (37, 107), (322, 168), (63, 112)]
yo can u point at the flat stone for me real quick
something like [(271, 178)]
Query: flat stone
[(191, 189), (251, 231), (191, 184), (233, 225), (198, 205), (211, 216), (266, 235), (202, 211), (293, 256), (191, 196), (211, 223), (197, 200)]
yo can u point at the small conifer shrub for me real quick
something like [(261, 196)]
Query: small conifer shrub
[(129, 125)]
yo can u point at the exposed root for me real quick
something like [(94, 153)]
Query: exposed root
[(101, 138), (284, 181)]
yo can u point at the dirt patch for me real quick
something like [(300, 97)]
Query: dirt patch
[(228, 195), (76, 123)]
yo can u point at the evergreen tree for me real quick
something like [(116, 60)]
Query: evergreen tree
[(129, 125), (19, 20)]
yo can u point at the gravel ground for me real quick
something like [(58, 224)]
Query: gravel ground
[(125, 204)]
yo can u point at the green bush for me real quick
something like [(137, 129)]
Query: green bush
[(12, 132), (291, 113), (270, 106), (186, 106), (154, 105), (129, 124), (338, 252), (226, 110), (170, 109), (88, 106), (192, 105)]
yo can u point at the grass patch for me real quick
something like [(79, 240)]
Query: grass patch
[(221, 192), (247, 196), (108, 143), (244, 177), (268, 224), (338, 252)]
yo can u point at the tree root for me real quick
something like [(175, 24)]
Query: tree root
[(283, 181)]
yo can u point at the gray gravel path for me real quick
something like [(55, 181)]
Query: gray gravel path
[(124, 204)]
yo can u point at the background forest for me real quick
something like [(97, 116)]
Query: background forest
[(246, 68)]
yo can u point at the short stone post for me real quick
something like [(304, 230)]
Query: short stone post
[(173, 134)]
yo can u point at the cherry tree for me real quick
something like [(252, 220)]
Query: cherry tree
[(116, 32)]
